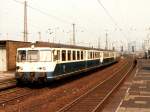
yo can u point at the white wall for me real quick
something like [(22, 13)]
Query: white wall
[(3, 61)]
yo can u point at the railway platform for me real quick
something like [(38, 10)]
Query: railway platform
[(137, 97), (7, 75)]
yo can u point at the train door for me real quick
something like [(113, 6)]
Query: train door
[(101, 57), (3, 66)]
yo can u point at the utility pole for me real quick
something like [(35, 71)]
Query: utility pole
[(7, 36), (106, 46), (113, 47), (73, 34), (122, 48), (99, 45), (25, 22), (39, 36)]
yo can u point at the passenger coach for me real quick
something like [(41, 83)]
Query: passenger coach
[(46, 64)]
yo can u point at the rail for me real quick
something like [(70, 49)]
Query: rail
[(7, 84), (92, 100)]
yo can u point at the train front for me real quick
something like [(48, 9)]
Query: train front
[(34, 64)]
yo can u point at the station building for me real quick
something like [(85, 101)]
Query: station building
[(8, 50)]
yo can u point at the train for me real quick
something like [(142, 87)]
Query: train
[(44, 64)]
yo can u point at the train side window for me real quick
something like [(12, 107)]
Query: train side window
[(74, 55), (78, 55), (91, 55), (98, 54), (69, 55), (56, 55), (94, 55), (45, 55), (81, 55), (63, 55), (85, 55)]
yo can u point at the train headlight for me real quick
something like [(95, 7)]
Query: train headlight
[(42, 68), (19, 68)]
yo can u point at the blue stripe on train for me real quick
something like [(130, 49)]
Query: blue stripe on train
[(66, 68)]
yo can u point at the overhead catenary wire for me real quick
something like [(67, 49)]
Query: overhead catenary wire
[(107, 12), (111, 17), (45, 13)]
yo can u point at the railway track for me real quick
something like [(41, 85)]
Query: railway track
[(93, 100), (7, 84), (19, 94), (14, 94)]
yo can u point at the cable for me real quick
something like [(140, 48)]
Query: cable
[(45, 13), (106, 11), (109, 15)]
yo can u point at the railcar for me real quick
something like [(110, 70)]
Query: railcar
[(46, 64)]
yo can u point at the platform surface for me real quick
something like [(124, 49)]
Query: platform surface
[(137, 98), (7, 75)]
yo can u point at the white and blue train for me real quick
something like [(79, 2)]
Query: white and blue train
[(47, 64)]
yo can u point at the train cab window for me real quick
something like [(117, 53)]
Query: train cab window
[(33, 55), (63, 55), (81, 55), (21, 56), (69, 55), (78, 55), (74, 55)]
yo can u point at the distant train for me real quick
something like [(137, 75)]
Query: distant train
[(46, 64)]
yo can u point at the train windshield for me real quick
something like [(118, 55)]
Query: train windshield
[(21, 55), (33, 55), (30, 55)]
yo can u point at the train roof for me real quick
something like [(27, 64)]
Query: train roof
[(41, 45), (52, 48)]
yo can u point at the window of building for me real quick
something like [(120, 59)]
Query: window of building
[(63, 55)]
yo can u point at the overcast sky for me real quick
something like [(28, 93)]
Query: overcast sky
[(92, 22)]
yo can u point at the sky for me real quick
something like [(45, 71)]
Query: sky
[(129, 21)]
